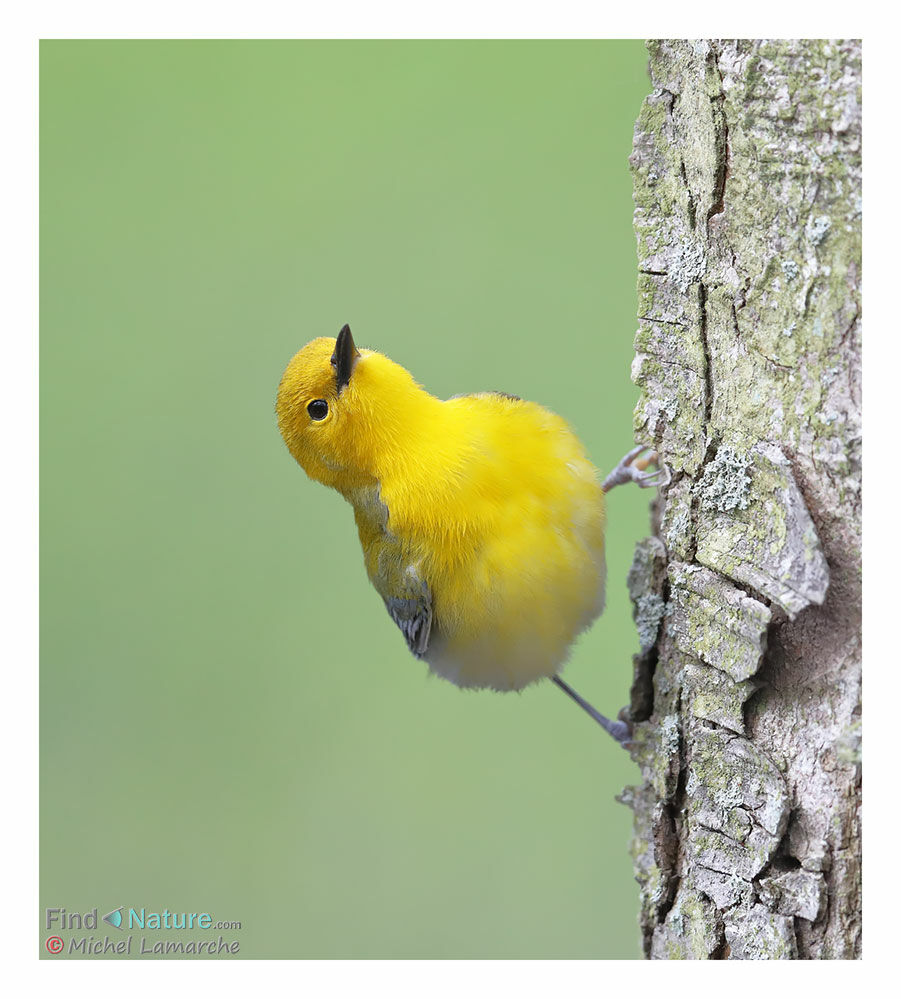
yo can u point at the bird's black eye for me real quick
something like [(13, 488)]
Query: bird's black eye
[(318, 409)]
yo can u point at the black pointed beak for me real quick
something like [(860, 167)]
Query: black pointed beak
[(344, 358)]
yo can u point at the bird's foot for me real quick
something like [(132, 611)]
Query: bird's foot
[(633, 468), (624, 729), (621, 730)]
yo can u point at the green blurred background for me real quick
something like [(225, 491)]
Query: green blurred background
[(230, 721)]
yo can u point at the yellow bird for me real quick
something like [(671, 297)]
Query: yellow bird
[(480, 516)]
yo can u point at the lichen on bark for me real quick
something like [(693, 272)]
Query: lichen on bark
[(746, 700)]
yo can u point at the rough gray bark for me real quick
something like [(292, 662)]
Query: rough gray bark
[(747, 167)]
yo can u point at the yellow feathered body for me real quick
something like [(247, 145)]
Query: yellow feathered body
[(480, 517)]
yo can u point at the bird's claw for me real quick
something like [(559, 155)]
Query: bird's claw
[(625, 729), (660, 477), (633, 468)]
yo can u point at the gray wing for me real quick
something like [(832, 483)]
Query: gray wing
[(412, 612)]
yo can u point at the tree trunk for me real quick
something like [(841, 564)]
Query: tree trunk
[(746, 700)]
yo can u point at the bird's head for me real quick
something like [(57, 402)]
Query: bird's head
[(340, 410)]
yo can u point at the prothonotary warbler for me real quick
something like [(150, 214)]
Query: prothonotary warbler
[(480, 516)]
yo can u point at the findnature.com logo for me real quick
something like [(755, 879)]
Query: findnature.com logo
[(125, 920)]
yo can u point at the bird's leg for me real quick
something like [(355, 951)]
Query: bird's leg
[(631, 470), (620, 730)]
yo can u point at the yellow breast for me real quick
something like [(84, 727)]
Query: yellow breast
[(498, 509)]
